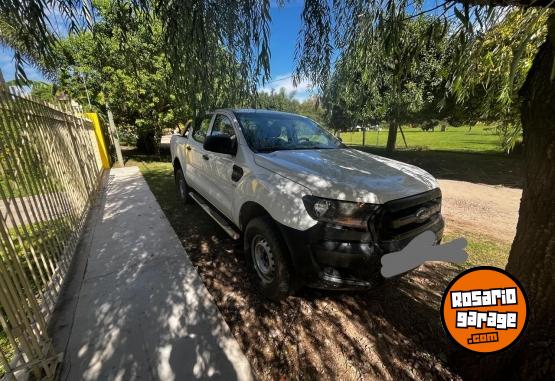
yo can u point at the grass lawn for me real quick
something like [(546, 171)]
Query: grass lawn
[(20, 191), (11, 185), (482, 250), (159, 176), (479, 139)]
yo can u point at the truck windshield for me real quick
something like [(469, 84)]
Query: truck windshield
[(267, 132)]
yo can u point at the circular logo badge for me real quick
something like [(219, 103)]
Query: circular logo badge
[(484, 309)]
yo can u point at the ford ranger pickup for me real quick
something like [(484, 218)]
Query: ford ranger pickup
[(309, 210)]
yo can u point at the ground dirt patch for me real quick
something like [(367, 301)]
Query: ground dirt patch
[(389, 333), (485, 209)]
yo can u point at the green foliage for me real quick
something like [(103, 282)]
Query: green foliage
[(217, 50), (28, 47), (134, 78), (378, 79), (482, 55), (281, 101), (43, 91), (495, 66)]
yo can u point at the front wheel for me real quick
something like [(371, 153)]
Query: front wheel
[(268, 260), (182, 187)]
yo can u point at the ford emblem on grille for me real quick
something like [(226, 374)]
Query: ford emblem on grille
[(422, 214)]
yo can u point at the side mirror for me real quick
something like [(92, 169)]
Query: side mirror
[(221, 144)]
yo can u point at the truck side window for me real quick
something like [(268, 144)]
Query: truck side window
[(199, 133), (222, 126), (187, 129)]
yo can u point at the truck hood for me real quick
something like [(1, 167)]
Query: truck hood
[(348, 174)]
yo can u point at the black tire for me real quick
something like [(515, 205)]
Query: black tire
[(181, 187), (279, 282)]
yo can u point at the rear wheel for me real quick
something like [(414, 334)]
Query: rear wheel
[(182, 187), (268, 259)]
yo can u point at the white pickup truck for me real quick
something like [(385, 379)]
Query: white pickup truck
[(309, 210)]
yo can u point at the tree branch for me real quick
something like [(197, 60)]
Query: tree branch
[(507, 3)]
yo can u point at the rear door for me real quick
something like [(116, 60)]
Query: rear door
[(197, 159), (222, 189)]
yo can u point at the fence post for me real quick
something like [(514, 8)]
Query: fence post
[(114, 136), (49, 173), (403, 135), (93, 116)]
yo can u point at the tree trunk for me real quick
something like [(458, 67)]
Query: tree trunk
[(532, 257), (391, 137)]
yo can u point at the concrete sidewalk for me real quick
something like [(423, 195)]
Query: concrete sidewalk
[(135, 307)]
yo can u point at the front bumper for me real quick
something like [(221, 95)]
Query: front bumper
[(332, 257), (327, 257)]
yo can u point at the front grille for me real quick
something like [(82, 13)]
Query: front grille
[(401, 217)]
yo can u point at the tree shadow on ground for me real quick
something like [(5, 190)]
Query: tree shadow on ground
[(393, 332), (475, 167)]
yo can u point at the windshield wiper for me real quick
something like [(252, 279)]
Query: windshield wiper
[(272, 149), (314, 147), (268, 149)]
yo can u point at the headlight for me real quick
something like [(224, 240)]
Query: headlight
[(344, 213)]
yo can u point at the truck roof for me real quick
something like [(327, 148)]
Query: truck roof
[(258, 111)]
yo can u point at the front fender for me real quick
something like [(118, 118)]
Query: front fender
[(281, 197)]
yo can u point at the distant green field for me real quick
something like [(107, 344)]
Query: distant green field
[(479, 139)]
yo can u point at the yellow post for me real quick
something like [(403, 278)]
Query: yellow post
[(99, 139)]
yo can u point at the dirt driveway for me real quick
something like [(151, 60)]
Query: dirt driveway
[(486, 209)]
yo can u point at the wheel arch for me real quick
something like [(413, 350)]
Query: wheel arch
[(250, 210), (176, 164)]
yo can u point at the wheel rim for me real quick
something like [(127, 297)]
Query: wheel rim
[(263, 258)]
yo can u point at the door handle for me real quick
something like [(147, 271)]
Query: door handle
[(205, 157), (188, 148)]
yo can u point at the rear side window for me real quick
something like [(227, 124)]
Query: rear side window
[(199, 133), (187, 129)]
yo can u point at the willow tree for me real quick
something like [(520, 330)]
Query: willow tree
[(532, 254), (195, 34), (369, 85), (496, 69), (193, 29)]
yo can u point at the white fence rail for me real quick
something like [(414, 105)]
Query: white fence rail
[(49, 174)]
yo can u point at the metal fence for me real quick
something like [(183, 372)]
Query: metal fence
[(49, 173)]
